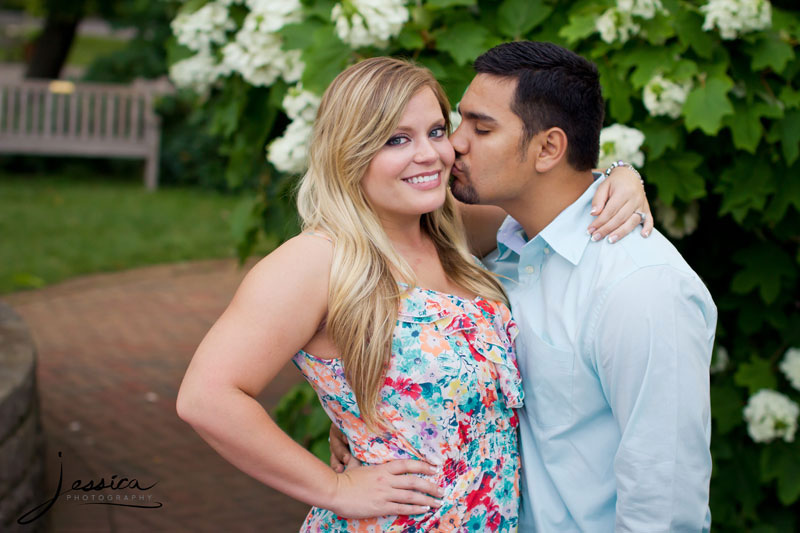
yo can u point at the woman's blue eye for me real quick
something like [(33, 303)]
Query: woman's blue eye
[(438, 132), (395, 141)]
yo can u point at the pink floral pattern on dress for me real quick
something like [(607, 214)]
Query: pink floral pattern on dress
[(448, 398)]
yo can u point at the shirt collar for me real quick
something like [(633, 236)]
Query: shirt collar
[(566, 234)]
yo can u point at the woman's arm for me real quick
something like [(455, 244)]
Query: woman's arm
[(616, 201), (275, 312)]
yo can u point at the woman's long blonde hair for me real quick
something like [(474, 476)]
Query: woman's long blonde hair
[(358, 114)]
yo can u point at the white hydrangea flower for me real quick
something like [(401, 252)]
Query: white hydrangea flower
[(616, 25), (197, 72), (720, 361), (289, 153), (770, 415), (645, 9), (618, 142), (678, 225), (272, 15), (790, 366), (735, 17), (455, 120), (202, 28), (256, 54), (665, 97), (369, 22), (301, 104)]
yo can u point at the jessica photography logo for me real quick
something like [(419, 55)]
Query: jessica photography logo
[(117, 490)]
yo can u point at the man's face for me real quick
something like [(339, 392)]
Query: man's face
[(490, 168)]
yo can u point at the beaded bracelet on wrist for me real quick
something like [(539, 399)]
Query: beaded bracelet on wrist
[(621, 163)]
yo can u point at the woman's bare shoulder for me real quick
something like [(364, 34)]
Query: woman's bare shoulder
[(302, 264)]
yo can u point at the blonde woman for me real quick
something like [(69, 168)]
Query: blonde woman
[(406, 339)]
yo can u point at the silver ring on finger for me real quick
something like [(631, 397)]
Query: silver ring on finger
[(642, 216)]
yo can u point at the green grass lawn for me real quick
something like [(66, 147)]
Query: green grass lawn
[(85, 48), (57, 227)]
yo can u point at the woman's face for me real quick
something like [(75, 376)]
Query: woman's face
[(408, 176)]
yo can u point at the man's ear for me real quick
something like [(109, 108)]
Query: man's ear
[(552, 148)]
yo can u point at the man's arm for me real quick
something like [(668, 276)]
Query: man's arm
[(652, 348)]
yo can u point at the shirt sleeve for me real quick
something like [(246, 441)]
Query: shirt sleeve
[(652, 349)]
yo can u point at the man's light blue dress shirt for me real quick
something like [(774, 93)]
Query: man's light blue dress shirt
[(614, 348)]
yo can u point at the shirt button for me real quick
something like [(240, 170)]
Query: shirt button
[(529, 269), (458, 343), (547, 251)]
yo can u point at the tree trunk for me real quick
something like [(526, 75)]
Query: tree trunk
[(52, 46)]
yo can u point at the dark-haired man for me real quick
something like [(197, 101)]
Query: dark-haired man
[(615, 341)]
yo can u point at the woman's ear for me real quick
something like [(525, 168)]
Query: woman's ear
[(552, 148)]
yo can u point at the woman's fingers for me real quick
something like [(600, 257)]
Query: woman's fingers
[(340, 450), (351, 462), (421, 486), (409, 466), (402, 509), (599, 227), (648, 222), (410, 497), (615, 223), (633, 221), (600, 197)]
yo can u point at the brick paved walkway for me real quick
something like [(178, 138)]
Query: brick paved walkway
[(112, 351)]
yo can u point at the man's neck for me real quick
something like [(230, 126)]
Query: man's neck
[(546, 197)]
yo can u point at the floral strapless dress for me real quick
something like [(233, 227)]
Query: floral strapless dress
[(448, 398)]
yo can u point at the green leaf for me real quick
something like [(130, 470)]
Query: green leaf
[(660, 135), (751, 318), (442, 4), (745, 186), (787, 130), (299, 36), (779, 461), (581, 25), (675, 177), (790, 97), (464, 41), (516, 18), (707, 105), (410, 39), (689, 27), (244, 217), (658, 29), (322, 450), (617, 92), (320, 9), (324, 59), (756, 374), (745, 125), (226, 114), (771, 51), (176, 52), (764, 266), (789, 187), (647, 62), (726, 408)]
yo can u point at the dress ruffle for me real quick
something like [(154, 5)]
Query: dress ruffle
[(489, 332)]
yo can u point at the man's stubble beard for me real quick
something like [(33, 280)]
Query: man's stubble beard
[(463, 191)]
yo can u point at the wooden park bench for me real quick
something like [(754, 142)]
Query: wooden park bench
[(82, 119)]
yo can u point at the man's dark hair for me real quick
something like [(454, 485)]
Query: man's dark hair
[(555, 88)]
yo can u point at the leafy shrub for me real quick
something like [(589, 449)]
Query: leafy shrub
[(711, 90)]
